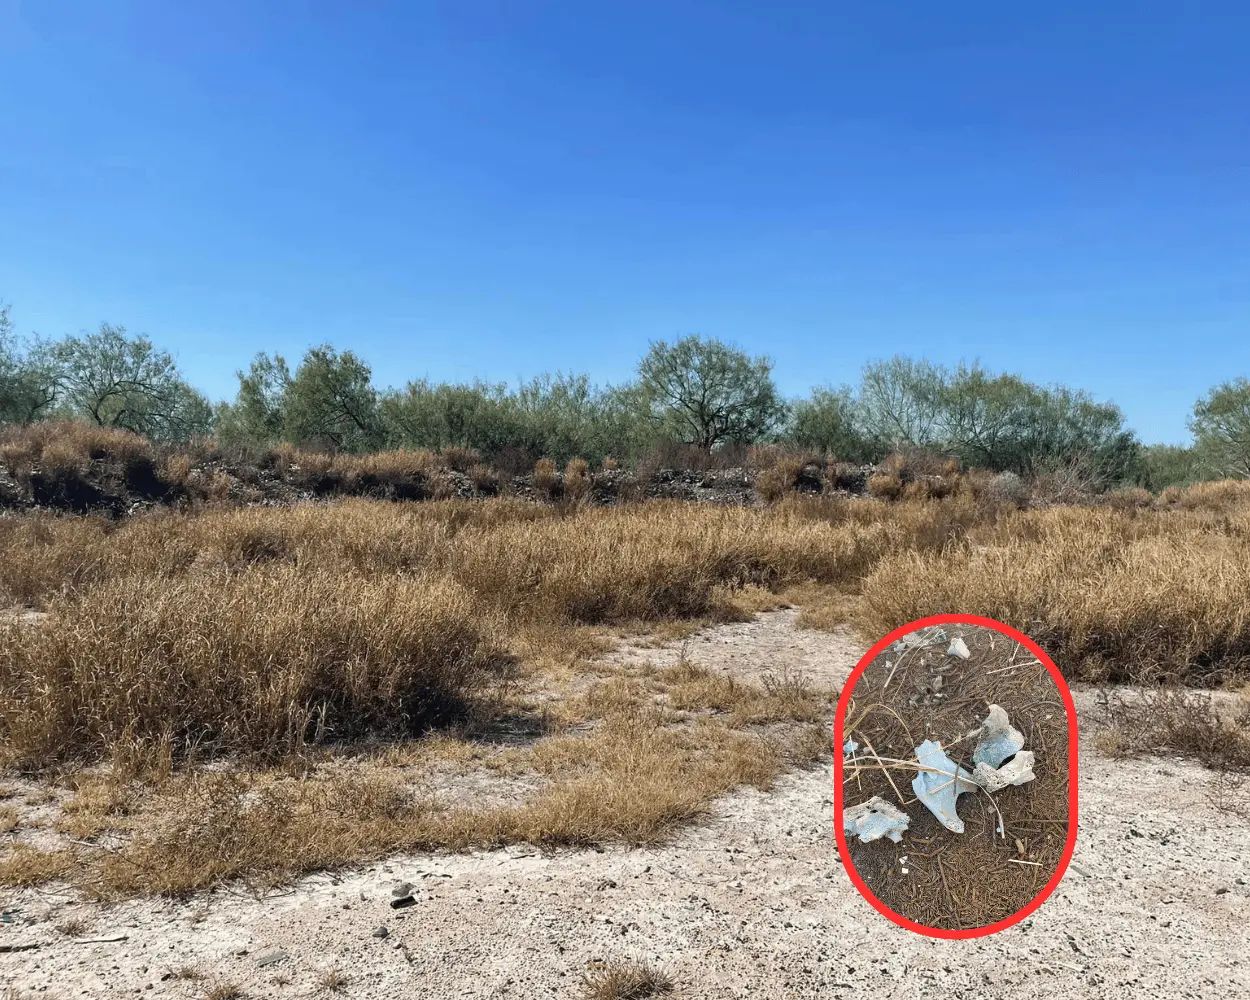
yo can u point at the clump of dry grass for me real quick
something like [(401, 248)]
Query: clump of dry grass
[(25, 866), (1219, 496), (1189, 723), (576, 479), (546, 478), (625, 980), (885, 486), (334, 980), (72, 928), (72, 444), (259, 661), (778, 478)]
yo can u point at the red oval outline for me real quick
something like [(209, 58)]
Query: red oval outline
[(1073, 749)]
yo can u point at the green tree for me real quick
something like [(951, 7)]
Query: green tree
[(256, 417), (901, 402), (1221, 429), (1166, 465), (28, 383), (828, 420), (705, 392), (330, 402), (114, 380), (442, 415)]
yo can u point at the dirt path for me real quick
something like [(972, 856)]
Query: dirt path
[(752, 903)]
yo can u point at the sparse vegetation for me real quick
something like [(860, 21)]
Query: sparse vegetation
[(625, 980)]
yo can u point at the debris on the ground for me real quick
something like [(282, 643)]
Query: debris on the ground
[(272, 958), (401, 889), (108, 939), (849, 748), (958, 648), (874, 819), (402, 902), (382, 932), (1016, 771), (999, 739), (940, 784)]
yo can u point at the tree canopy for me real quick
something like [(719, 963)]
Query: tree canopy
[(705, 392)]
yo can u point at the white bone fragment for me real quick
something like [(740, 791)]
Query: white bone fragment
[(958, 648), (940, 786), (874, 819), (999, 739), (1016, 771)]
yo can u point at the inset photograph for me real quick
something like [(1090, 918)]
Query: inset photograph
[(955, 783)]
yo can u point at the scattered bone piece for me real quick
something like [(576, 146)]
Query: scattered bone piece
[(958, 648), (999, 739), (939, 788), (1015, 772), (874, 819)]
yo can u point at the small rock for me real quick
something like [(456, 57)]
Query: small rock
[(401, 889), (272, 958), (1220, 891), (958, 648), (381, 932), (399, 904)]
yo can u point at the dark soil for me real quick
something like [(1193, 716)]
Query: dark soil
[(115, 491), (960, 881)]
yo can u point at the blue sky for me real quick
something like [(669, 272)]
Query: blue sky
[(502, 188)]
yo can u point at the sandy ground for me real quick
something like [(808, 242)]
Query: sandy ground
[(752, 903)]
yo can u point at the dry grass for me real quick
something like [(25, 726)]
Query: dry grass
[(67, 444), (625, 980), (1111, 595), (885, 486), (546, 477), (333, 980), (72, 928), (265, 660), (778, 478), (1188, 723), (576, 479), (312, 648)]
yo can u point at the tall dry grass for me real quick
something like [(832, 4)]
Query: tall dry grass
[(1111, 594), (264, 660), (256, 628), (260, 629), (186, 634)]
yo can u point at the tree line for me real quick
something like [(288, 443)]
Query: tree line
[(698, 392)]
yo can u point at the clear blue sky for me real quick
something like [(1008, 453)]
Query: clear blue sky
[(497, 189)]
